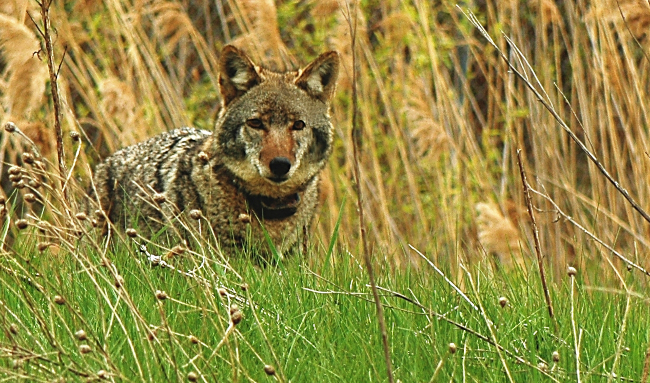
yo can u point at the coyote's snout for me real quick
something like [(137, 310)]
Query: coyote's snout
[(277, 150), (272, 138)]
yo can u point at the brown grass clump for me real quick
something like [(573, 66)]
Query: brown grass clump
[(429, 139), (43, 137), (498, 234), (262, 33), (636, 13), (548, 10), (339, 38), (15, 9), (27, 75), (171, 22), (119, 103)]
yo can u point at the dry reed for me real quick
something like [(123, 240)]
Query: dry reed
[(441, 115)]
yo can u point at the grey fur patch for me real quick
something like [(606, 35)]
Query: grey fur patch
[(125, 180)]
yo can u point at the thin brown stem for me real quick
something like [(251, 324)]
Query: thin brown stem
[(538, 246), (356, 138), (56, 100)]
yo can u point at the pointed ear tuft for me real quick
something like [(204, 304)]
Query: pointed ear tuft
[(237, 74), (319, 78)]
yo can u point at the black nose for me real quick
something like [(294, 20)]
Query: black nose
[(280, 166)]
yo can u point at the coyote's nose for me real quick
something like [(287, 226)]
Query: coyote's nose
[(280, 166)]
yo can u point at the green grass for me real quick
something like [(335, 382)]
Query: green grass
[(311, 320)]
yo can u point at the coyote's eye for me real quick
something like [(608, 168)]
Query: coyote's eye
[(298, 125), (255, 123)]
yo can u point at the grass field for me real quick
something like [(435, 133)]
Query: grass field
[(311, 321), (447, 113)]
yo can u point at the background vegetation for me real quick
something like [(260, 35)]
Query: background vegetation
[(442, 117)]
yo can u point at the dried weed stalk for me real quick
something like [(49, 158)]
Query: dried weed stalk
[(356, 138), (538, 246), (46, 34)]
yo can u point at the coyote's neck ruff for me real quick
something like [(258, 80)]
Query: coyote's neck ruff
[(260, 166)]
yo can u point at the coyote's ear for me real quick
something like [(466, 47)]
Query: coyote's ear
[(319, 78), (237, 74)]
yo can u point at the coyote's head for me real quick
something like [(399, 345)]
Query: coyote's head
[(274, 130)]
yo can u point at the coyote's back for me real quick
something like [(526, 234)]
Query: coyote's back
[(261, 164)]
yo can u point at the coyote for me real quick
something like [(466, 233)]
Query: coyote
[(259, 170)]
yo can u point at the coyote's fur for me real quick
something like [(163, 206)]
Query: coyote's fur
[(261, 164)]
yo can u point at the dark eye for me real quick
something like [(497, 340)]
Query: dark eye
[(255, 123), (298, 125)]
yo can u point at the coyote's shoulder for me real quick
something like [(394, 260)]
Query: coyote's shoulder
[(261, 164)]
